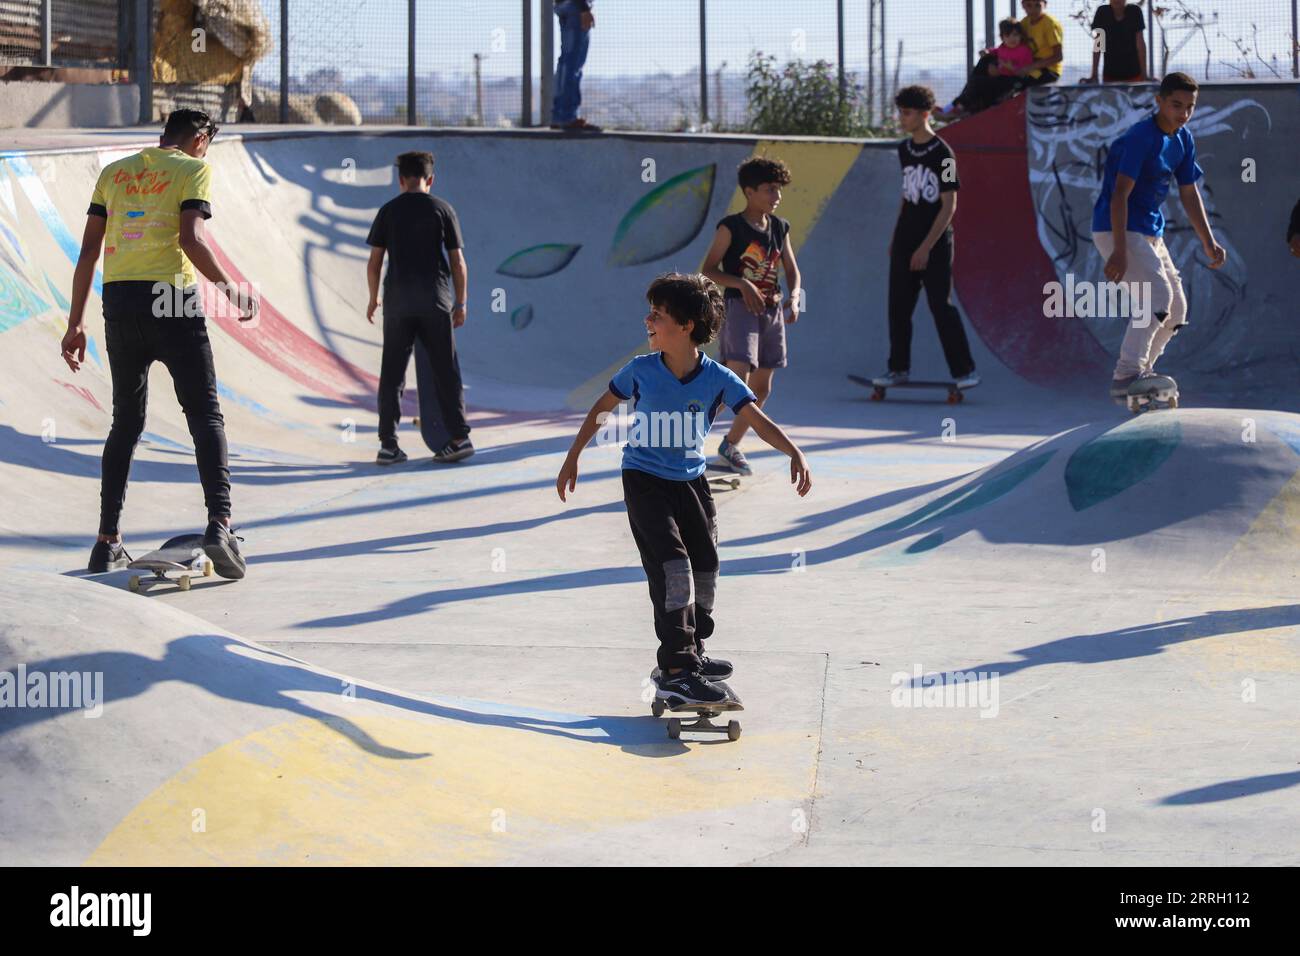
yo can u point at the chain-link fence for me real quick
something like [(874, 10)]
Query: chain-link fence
[(662, 65)]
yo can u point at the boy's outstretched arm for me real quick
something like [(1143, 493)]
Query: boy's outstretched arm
[(568, 477), (770, 432), (73, 345), (1191, 197)]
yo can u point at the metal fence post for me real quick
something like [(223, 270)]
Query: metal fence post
[(143, 65), (1295, 39), (970, 36), (284, 61), (526, 68), (990, 26), (886, 101), (839, 46), (410, 63), (547, 83), (46, 45), (704, 68)]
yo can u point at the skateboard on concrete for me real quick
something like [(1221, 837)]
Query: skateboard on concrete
[(704, 713), (1148, 394), (429, 421), (182, 554), (717, 481), (956, 394)]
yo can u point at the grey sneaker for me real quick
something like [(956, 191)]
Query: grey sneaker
[(107, 557), (222, 546), (890, 378), (729, 456), (1119, 388), (390, 456)]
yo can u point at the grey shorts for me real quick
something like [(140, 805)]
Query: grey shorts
[(756, 339)]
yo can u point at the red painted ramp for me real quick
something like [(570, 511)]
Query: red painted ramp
[(1000, 266)]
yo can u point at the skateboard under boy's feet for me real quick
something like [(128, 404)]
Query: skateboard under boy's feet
[(956, 393), (666, 701), (183, 554)]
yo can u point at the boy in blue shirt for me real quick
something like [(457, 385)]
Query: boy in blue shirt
[(676, 392), (1136, 181)]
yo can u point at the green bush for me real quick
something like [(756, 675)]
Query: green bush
[(802, 99)]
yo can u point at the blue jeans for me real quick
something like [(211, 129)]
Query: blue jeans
[(573, 54)]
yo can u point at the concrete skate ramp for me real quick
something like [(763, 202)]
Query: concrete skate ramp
[(213, 747), (185, 745)]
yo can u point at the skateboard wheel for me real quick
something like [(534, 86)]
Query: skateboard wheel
[(674, 728), (657, 708), (877, 394), (733, 730), (207, 569), (134, 583), (185, 582)]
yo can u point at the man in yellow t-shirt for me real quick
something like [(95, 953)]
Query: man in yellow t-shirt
[(1045, 41), (147, 211)]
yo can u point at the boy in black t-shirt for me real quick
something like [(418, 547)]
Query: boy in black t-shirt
[(920, 252), (748, 249), (414, 229), (1124, 49)]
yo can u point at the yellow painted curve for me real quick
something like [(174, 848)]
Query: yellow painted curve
[(303, 793)]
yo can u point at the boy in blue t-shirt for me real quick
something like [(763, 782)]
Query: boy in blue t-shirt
[(1138, 169), (676, 392)]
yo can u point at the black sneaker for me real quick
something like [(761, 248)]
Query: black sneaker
[(457, 449), (390, 456), (222, 547), (712, 670), (107, 557), (685, 687)]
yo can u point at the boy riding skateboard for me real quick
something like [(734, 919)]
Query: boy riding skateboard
[(148, 212), (748, 249), (677, 392), (1133, 188)]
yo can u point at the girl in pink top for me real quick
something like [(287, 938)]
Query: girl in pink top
[(995, 73)]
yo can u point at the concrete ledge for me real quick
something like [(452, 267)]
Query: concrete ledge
[(61, 105)]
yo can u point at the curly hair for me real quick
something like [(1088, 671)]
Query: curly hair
[(757, 170), (915, 98), (689, 297)]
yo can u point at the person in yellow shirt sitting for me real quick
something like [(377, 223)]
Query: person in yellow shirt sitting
[(1045, 38), (147, 212)]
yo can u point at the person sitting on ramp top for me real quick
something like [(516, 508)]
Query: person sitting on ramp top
[(676, 393)]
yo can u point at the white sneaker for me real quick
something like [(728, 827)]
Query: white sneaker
[(890, 378), (968, 381)]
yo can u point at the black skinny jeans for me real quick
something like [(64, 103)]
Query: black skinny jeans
[(905, 288), (136, 339)]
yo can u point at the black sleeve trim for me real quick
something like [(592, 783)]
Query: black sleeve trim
[(202, 205), (97, 210), (619, 395), (747, 400)]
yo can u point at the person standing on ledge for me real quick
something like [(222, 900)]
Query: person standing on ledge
[(1125, 52), (576, 23)]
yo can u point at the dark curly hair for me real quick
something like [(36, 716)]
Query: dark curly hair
[(689, 297), (915, 98), (757, 170)]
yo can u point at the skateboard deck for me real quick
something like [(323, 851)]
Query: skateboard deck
[(182, 554), (956, 395), (704, 713), (720, 482), (430, 423)]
